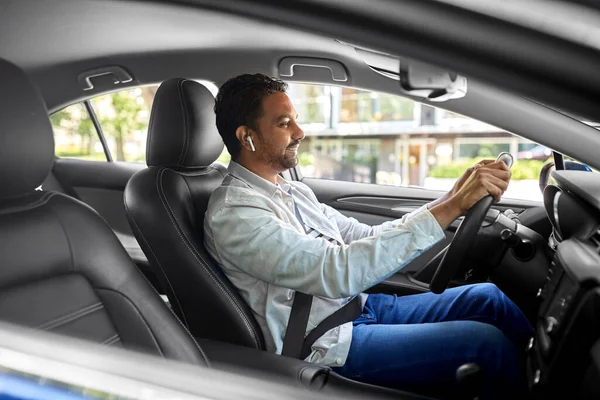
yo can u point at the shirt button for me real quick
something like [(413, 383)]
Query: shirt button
[(338, 361), (399, 260), (431, 237)]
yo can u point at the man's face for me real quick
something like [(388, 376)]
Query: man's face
[(279, 134)]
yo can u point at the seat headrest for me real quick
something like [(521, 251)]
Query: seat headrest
[(183, 132), (26, 138)]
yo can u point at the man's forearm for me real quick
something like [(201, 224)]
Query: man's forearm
[(439, 200), (446, 210)]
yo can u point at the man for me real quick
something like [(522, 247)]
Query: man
[(273, 237)]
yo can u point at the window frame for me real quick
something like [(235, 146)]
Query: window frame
[(98, 127)]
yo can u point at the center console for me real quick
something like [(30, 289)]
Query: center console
[(563, 356)]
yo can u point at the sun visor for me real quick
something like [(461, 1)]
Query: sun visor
[(381, 63), (416, 78)]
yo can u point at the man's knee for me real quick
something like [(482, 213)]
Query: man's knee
[(487, 288), (488, 291)]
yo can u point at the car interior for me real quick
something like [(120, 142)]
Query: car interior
[(112, 251)]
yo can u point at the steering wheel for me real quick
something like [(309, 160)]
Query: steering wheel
[(464, 237)]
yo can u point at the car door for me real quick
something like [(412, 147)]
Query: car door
[(376, 157)]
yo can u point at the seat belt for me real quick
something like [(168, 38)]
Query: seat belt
[(348, 313), (293, 340), (294, 343)]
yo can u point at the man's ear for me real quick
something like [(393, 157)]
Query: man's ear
[(242, 133)]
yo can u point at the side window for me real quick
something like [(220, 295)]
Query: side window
[(369, 137), (124, 118), (75, 135)]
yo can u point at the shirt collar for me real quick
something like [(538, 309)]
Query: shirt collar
[(257, 182)]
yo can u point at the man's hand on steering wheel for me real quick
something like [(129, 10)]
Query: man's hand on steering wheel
[(486, 177), (475, 192), (460, 182), (490, 178)]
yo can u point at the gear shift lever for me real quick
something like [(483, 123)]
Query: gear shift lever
[(470, 380)]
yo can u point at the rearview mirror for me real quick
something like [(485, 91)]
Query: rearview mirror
[(549, 167), (433, 83)]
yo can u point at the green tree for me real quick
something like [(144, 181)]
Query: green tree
[(87, 131), (522, 169), (57, 118), (125, 120), (76, 126)]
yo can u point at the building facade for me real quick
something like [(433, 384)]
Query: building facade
[(380, 138)]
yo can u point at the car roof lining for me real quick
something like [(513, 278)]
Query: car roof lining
[(68, 31), (214, 46)]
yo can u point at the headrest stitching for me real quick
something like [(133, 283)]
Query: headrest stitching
[(181, 103), (187, 126)]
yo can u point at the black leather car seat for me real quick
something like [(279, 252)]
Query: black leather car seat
[(62, 267), (166, 204)]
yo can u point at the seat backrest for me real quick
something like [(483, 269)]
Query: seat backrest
[(62, 268), (166, 204)]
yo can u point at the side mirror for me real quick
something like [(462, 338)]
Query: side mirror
[(575, 166), (549, 167), (435, 84)]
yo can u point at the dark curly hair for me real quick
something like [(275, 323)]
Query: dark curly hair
[(239, 103)]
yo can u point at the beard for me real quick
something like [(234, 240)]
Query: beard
[(284, 161), (273, 156)]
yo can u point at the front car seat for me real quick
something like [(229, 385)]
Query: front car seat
[(63, 269), (166, 203)]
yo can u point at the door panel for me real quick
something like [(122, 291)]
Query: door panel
[(96, 174), (375, 204), (108, 203), (101, 185)]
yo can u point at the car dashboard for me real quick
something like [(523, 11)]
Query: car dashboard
[(563, 356)]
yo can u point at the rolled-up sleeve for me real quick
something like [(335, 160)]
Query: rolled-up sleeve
[(250, 236)]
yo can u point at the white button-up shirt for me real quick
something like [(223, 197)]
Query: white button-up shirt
[(252, 232)]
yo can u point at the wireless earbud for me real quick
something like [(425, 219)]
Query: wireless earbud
[(249, 138)]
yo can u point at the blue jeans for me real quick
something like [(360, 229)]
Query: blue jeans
[(417, 342)]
